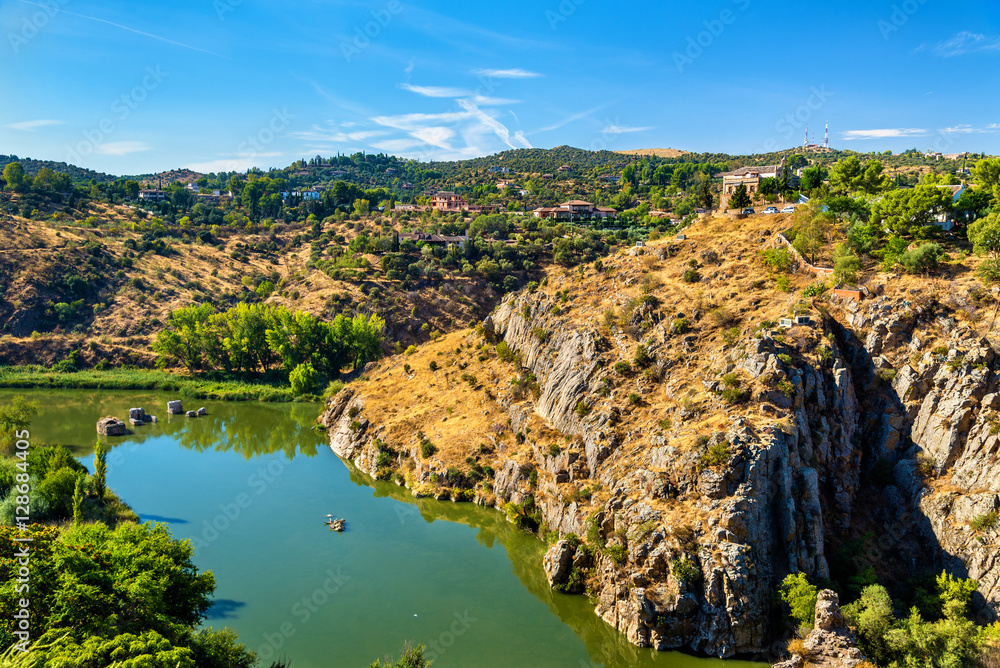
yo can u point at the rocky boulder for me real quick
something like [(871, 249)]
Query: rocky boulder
[(558, 563), (830, 644), (111, 426)]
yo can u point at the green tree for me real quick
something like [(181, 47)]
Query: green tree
[(362, 207), (740, 198), (800, 597), (872, 618), (100, 469), (303, 379), (131, 189), (872, 180), (812, 178), (846, 174), (907, 211), (812, 225), (78, 501), (705, 197), (986, 173), (846, 265), (985, 235), (15, 415), (13, 176)]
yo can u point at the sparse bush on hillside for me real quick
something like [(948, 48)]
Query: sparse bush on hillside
[(680, 326), (691, 276), (504, 352)]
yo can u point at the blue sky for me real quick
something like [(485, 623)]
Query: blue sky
[(128, 87)]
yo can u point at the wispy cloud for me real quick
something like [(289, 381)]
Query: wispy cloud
[(969, 129), (966, 42), (886, 133), (508, 74), (31, 126), (620, 130), (121, 27), (321, 135), (436, 91), (574, 117), (122, 148)]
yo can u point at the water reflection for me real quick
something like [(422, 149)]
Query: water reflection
[(605, 646)]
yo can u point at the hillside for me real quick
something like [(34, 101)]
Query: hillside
[(108, 290), (79, 175), (700, 450), (657, 152)]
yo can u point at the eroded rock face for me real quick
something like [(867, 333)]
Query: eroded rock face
[(788, 487), (944, 424)]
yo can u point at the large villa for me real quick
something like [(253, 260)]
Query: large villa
[(575, 210)]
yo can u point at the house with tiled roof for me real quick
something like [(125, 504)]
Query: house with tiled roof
[(574, 210), (751, 177)]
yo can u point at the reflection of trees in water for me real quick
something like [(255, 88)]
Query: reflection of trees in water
[(67, 417), (604, 644)]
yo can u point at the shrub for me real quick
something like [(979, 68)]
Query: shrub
[(665, 424), (623, 368), (691, 276), (427, 449), (642, 358), (433, 365), (886, 376), (634, 399), (583, 408), (554, 450), (921, 259), (984, 522), (734, 395), (680, 326), (786, 388), (618, 554), (541, 334), (731, 380), (504, 352), (355, 425), (723, 317), (685, 570), (353, 412), (410, 350), (716, 455)]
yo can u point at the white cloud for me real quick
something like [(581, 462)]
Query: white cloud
[(887, 133), (620, 130), (969, 130), (409, 122), (397, 145), (508, 74), (31, 126), (435, 91), (966, 42), (122, 148), (484, 101)]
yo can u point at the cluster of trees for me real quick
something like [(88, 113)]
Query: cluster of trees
[(106, 592), (936, 632), (257, 338)]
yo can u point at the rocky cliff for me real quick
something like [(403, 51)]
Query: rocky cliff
[(688, 452)]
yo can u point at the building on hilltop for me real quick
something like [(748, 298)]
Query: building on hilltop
[(153, 195), (751, 178), (575, 210)]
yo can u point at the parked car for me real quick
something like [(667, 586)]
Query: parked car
[(748, 211), (771, 209), (788, 209)]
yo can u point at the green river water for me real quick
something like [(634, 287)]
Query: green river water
[(250, 485)]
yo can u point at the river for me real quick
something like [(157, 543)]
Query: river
[(251, 483)]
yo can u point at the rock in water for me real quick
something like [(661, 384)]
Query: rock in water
[(191, 414), (202, 411), (175, 408), (830, 644), (111, 426)]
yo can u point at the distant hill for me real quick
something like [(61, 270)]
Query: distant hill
[(656, 152), (78, 174)]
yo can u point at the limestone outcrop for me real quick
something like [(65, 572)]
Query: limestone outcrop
[(831, 643)]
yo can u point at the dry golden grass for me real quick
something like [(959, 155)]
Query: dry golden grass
[(656, 152)]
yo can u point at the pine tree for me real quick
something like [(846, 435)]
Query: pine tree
[(740, 198), (78, 502), (100, 469)]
